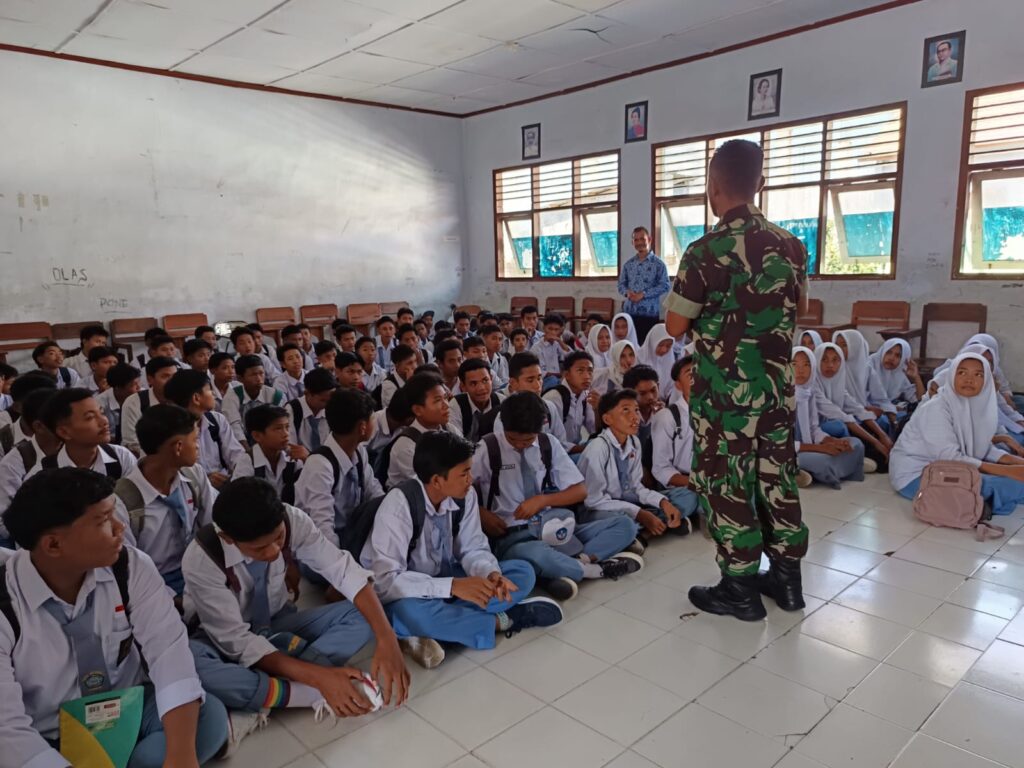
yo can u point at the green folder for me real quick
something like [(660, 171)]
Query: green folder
[(100, 731)]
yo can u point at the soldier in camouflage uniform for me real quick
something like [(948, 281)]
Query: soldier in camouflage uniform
[(737, 292)]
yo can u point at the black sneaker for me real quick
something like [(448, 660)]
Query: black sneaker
[(684, 528), (638, 546), (621, 564), (533, 612), (563, 588)]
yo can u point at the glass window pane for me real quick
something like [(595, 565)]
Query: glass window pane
[(863, 145), (554, 185), (858, 233), (597, 179), (797, 210), (512, 192), (793, 155), (516, 239), (994, 233), (556, 257), (681, 169), (599, 243), (997, 128), (679, 225)]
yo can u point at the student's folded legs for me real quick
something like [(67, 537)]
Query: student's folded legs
[(835, 428), (151, 749)]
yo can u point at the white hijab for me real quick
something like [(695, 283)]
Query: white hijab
[(631, 333), (895, 380), (815, 339), (660, 363), (615, 372), (989, 342), (601, 359), (805, 394), (835, 388), (974, 419), (858, 368)]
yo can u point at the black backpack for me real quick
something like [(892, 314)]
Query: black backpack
[(114, 469), (288, 479), (143, 400), (494, 462), (383, 463), (328, 454), (65, 376), (359, 526), (378, 392), (296, 408), (215, 434), (466, 411), (7, 436), (212, 545)]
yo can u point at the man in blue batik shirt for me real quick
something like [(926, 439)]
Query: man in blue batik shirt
[(643, 281)]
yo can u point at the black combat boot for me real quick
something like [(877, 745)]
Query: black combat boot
[(733, 596), (783, 584)]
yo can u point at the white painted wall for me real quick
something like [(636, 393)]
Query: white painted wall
[(152, 196), (865, 62)]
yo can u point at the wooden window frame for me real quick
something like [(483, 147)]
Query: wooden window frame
[(967, 176), (824, 183), (575, 209)]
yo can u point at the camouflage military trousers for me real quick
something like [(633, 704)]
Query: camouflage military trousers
[(744, 471)]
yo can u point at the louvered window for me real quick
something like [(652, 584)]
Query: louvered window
[(558, 220)]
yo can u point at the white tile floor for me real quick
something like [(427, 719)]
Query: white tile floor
[(910, 653)]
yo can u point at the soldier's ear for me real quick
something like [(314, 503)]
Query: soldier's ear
[(760, 183)]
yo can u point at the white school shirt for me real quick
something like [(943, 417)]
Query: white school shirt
[(289, 387), (162, 536), (308, 360), (580, 416), (5, 417), (384, 354), (131, 412), (79, 363), (313, 490), (499, 372), (551, 355), (397, 576), (121, 456), (74, 380), (564, 474), (305, 433), (39, 673), (225, 616), (599, 468), (388, 389), (12, 472), (218, 395), (534, 338), (374, 378), (232, 405), (381, 433), (672, 449), (89, 382), (455, 424), (230, 448), (17, 433), (402, 451), (555, 427), (246, 467)]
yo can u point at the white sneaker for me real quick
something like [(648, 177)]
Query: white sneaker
[(425, 651), (240, 725), (322, 712), (804, 479), (870, 467)]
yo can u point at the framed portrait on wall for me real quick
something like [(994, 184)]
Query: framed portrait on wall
[(765, 95), (531, 141), (636, 122), (943, 59)]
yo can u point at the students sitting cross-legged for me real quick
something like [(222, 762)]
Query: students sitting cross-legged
[(576, 401), (387, 423), (427, 399), (348, 370), (292, 362), (448, 357), (197, 354), (219, 449), (222, 374), (252, 390), (325, 352), (525, 376), (159, 371), (244, 342), (15, 426), (672, 444), (433, 567), (404, 362), (899, 377), (308, 429), (494, 339), (529, 485), (158, 344), (50, 359), (270, 457), (82, 615), (101, 360), (842, 414), (255, 651), (89, 336), (612, 466), (475, 400), (373, 373), (167, 497), (551, 349), (821, 457), (26, 454)]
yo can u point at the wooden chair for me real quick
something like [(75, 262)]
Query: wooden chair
[(273, 319), (472, 309), (180, 326), (71, 331), (884, 315), (518, 302), (599, 305), (814, 316), (391, 308), (17, 336), (318, 317), (363, 316), (939, 312), (126, 331), (563, 305)]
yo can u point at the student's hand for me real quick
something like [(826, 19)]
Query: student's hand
[(650, 522), (675, 517), (218, 479), (594, 397), (1011, 445), (493, 525), (830, 449), (658, 405), (473, 589), (298, 452), (503, 588), (530, 507), (337, 684), (912, 370), (389, 670)]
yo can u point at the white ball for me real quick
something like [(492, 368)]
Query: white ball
[(371, 690)]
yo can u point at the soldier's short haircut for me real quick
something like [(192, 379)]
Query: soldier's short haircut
[(737, 167)]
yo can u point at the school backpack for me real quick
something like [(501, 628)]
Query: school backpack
[(288, 478), (382, 464), (113, 469), (328, 454), (466, 411), (378, 392), (494, 462), (950, 496), (239, 391), (65, 376), (359, 526), (7, 437), (210, 542), (130, 495), (296, 408), (214, 428), (143, 400), (28, 454)]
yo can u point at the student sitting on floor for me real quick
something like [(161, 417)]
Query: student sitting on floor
[(448, 357), (432, 564), (219, 449), (657, 353), (270, 457), (474, 348), (529, 486), (1010, 420), (348, 370), (404, 316), (528, 321), (159, 371), (158, 344), (17, 426), (624, 330), (387, 423), (386, 341), (89, 337), (599, 344), (810, 339), (244, 343), (404, 361), (900, 380), (841, 414), (672, 444), (326, 352), (308, 427), (101, 360), (256, 651), (519, 341), (493, 339), (49, 357), (123, 381), (167, 497), (222, 374), (306, 342), (293, 334), (525, 376), (862, 382), (264, 343), (612, 467), (406, 337), (75, 418), (208, 334), (576, 401), (1005, 391), (26, 454), (197, 353), (83, 615), (428, 400), (643, 380), (8, 373), (346, 337), (289, 381), (821, 457), (250, 391), (462, 322), (551, 350), (475, 400), (623, 357), (959, 424), (423, 335), (372, 374)]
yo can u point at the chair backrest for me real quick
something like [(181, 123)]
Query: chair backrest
[(273, 319), (472, 309), (16, 336), (518, 302), (815, 314), (131, 330), (599, 305), (180, 326), (70, 332), (943, 313), (391, 307), (363, 316), (879, 315), (563, 305)]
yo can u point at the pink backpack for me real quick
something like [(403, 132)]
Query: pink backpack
[(950, 496)]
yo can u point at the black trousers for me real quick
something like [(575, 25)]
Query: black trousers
[(643, 325)]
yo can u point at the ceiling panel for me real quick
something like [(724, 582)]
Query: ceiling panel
[(143, 23), (238, 11), (504, 20), (370, 68), (589, 5), (667, 16), (429, 45), (231, 68), (391, 94), (332, 86), (572, 75), (506, 92), (509, 61), (414, 10), (459, 105), (126, 51), (332, 22), (30, 35), (68, 14), (447, 82), (587, 36), (272, 48), (746, 26), (649, 54)]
